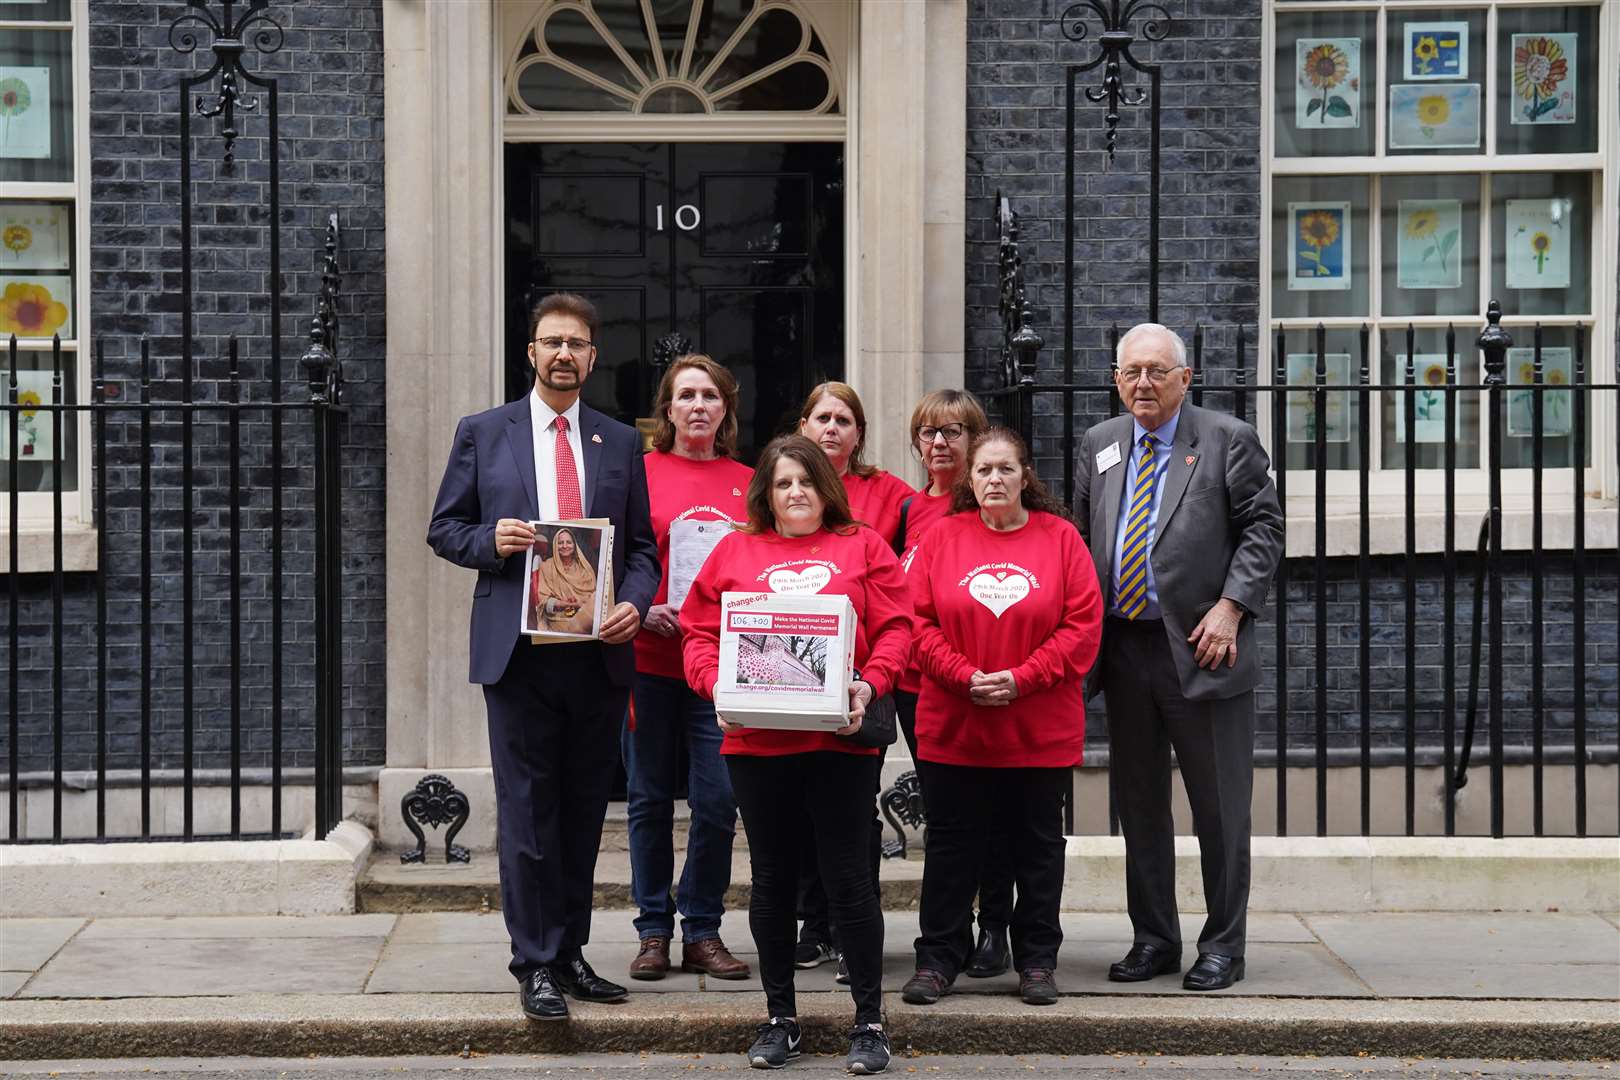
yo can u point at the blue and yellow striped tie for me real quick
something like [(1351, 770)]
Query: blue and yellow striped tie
[(1131, 596)]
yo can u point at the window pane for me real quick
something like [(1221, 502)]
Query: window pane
[(1430, 235), (1436, 76), (35, 11), (1547, 80), (1557, 407), (36, 264), (1426, 353), (1325, 83), (39, 433), (36, 105), (1319, 246), (1340, 414), (1541, 229)]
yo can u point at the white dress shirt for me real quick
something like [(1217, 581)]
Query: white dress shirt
[(543, 417)]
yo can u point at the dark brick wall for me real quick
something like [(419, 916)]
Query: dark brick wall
[(329, 72)]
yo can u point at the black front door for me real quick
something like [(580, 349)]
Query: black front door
[(739, 247)]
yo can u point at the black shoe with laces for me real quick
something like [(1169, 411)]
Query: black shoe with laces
[(868, 1050), (541, 998), (1037, 987), (809, 954), (925, 987), (775, 1043)]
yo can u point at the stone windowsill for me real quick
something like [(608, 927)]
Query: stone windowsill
[(1387, 528), (34, 548)]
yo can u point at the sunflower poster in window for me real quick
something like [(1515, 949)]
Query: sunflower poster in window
[(1319, 246), (36, 305), (1555, 405), (1543, 79), (1438, 116), (1428, 244), (569, 576), (1435, 50), (1302, 415), (1428, 401), (1536, 243), (34, 429), (25, 112), (1327, 91)]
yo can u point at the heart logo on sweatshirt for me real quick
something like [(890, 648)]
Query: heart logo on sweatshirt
[(998, 591), (812, 579)]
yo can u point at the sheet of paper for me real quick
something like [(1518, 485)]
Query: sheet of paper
[(689, 545)]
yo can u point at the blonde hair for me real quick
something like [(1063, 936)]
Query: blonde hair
[(945, 407)]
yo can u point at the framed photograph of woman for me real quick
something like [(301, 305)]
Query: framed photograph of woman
[(569, 571)]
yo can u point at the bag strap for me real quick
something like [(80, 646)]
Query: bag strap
[(900, 534)]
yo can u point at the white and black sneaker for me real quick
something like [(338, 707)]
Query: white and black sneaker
[(775, 1043), (868, 1050), (811, 954)]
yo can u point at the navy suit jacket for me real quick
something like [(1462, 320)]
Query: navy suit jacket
[(491, 476)]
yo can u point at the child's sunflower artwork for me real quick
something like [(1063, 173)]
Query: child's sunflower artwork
[(1302, 416), (39, 306), (1556, 370), (1428, 244), (25, 112), (1430, 117), (1428, 400), (1437, 50), (34, 429), (1328, 83), (1319, 245), (1543, 79), (1537, 241)]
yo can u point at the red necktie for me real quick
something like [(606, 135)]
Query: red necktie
[(569, 505)]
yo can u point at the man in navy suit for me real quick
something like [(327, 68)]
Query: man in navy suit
[(554, 711)]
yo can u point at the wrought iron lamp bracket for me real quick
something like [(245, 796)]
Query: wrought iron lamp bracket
[(320, 361), (229, 39), (1114, 51)]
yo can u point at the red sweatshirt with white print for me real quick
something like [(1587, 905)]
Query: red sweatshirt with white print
[(875, 501), (1025, 601), (925, 510), (858, 565)]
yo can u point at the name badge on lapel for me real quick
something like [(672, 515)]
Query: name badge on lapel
[(1107, 458)]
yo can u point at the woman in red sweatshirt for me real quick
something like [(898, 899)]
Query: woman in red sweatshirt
[(834, 419), (800, 539), (696, 493), (1009, 618)]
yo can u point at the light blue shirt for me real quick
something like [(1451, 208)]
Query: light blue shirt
[(1163, 439)]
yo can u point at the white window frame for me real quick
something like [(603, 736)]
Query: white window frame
[(36, 508), (1601, 479)]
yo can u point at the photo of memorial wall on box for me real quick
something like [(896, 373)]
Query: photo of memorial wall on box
[(767, 662)]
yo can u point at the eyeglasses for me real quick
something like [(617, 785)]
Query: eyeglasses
[(555, 344), (1155, 375), (951, 432)]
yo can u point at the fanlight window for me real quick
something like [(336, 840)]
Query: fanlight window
[(671, 56)]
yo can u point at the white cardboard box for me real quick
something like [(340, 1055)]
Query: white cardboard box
[(785, 661)]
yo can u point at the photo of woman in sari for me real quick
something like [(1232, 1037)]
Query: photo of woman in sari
[(563, 587)]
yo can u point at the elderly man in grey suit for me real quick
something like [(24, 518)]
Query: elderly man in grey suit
[(1179, 510)]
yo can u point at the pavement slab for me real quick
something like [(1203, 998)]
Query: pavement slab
[(25, 944), (1498, 955), (114, 967), (261, 927), (12, 981)]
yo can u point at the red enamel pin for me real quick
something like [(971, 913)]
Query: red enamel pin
[(1191, 458)]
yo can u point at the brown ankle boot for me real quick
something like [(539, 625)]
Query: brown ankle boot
[(652, 962), (711, 957)]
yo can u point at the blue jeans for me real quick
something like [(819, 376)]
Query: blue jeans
[(667, 714)]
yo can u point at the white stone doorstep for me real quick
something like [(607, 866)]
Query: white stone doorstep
[(1375, 873), (214, 877)]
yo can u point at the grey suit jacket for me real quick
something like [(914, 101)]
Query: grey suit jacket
[(1220, 533)]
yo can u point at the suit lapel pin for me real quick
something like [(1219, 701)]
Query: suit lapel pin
[(598, 438), (1191, 458), (736, 492)]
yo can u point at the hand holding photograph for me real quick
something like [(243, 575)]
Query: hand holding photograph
[(569, 570)]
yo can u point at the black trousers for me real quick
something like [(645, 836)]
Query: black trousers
[(554, 721), (812, 905), (834, 791), (1214, 745), (996, 880), (969, 809)]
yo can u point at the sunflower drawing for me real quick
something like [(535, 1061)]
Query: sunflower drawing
[(29, 400), (1325, 67), (1539, 66), (15, 98), (1433, 110), (1423, 223), (30, 311), (1318, 231), (18, 238), (1426, 51), (1541, 243)]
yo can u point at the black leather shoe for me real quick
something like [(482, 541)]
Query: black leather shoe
[(991, 956), (541, 999), (578, 981), (1214, 972), (1144, 961)]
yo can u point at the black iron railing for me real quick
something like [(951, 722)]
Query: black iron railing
[(1226, 386)]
